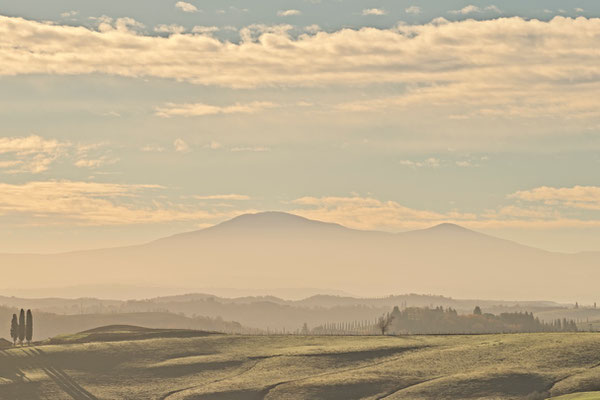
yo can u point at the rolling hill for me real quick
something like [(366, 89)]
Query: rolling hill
[(274, 250), (134, 363)]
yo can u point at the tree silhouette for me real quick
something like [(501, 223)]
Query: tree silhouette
[(29, 327), (21, 326), (383, 323), (477, 310), (14, 329)]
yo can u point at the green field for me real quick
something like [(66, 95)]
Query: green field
[(133, 364)]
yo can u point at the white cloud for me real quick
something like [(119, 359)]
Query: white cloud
[(471, 9), (33, 154), (95, 162), (373, 11), (201, 109), (431, 162), (579, 197), (68, 14), (186, 7), (314, 28), (181, 146), (370, 213), (443, 63), (153, 148), (91, 203), (204, 29), (413, 10), (579, 10), (257, 149), (214, 145), (288, 13), (171, 29), (223, 197), (464, 163), (374, 214)]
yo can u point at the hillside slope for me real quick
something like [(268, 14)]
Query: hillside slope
[(226, 367)]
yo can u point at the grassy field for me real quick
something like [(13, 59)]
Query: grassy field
[(134, 364)]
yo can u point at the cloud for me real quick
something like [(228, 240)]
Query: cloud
[(186, 7), (201, 109), (430, 162), (171, 29), (181, 146), (373, 11), (258, 149), (33, 153), (413, 10), (153, 148), (579, 197), (68, 14), (95, 162), (548, 68), (223, 197), (314, 28), (204, 29), (373, 214), (370, 213), (288, 13), (471, 9), (91, 203)]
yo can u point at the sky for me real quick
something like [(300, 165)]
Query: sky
[(125, 121)]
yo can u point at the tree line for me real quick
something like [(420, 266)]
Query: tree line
[(424, 320), (447, 321), (21, 329)]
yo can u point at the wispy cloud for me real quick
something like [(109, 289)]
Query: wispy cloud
[(471, 9), (186, 7), (431, 162), (181, 146), (373, 11), (33, 154), (171, 29), (68, 14), (153, 148), (579, 197), (442, 62), (371, 213), (223, 197), (258, 149), (413, 10), (288, 13), (204, 29), (91, 203), (374, 214), (201, 109)]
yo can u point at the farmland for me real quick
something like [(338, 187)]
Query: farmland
[(134, 363)]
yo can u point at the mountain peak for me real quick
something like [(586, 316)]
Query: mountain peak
[(449, 227)]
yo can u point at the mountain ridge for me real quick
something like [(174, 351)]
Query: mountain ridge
[(281, 250)]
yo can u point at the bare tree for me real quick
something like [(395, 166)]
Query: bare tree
[(384, 322)]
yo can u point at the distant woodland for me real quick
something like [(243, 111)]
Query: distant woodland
[(315, 315)]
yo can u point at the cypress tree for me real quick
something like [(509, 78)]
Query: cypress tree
[(14, 329), (21, 326), (29, 327)]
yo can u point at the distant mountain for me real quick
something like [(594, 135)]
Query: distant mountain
[(275, 250)]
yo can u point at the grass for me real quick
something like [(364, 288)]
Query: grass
[(125, 364), (579, 396)]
